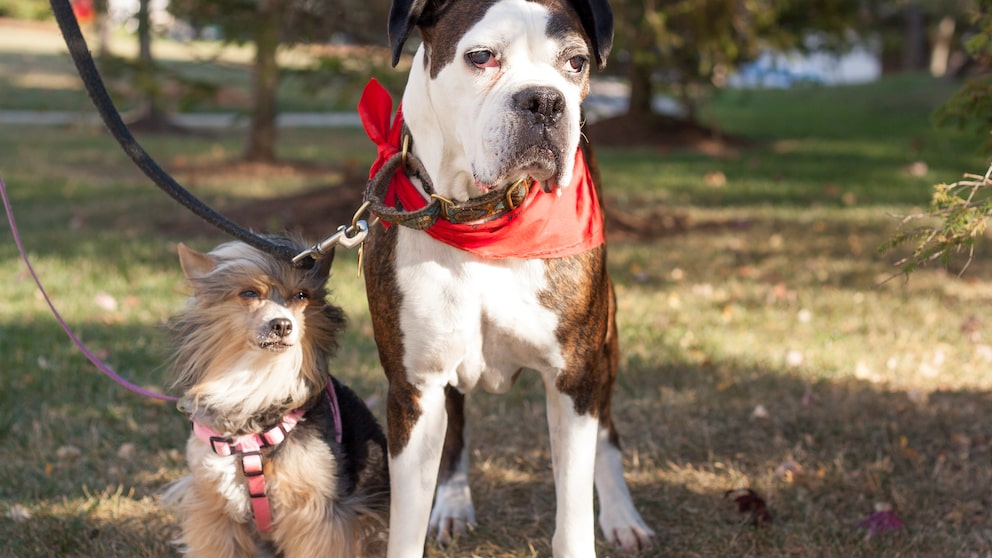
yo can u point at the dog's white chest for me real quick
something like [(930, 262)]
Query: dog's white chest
[(467, 321)]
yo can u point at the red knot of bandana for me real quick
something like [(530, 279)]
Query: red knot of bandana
[(543, 226)]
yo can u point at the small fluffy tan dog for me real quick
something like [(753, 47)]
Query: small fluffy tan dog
[(284, 460)]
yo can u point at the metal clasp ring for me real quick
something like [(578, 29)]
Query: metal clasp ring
[(509, 193), (445, 204)]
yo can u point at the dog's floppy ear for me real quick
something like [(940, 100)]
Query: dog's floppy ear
[(403, 17), (597, 20), (195, 264)]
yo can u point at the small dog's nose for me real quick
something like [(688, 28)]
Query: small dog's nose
[(545, 104), (281, 326)]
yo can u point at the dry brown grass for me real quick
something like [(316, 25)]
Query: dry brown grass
[(760, 347)]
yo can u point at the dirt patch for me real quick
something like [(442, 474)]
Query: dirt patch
[(314, 214), (663, 133), (318, 211), (330, 198)]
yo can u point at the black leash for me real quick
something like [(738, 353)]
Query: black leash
[(112, 119)]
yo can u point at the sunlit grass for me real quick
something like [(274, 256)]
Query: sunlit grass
[(764, 345)]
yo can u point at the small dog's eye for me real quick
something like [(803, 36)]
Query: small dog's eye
[(302, 295), (248, 293), (482, 59), (577, 63)]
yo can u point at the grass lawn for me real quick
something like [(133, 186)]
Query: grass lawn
[(762, 346), (36, 73)]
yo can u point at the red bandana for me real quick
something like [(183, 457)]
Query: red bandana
[(542, 226)]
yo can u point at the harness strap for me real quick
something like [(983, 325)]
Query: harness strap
[(249, 448)]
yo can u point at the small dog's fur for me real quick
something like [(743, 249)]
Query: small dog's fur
[(251, 346)]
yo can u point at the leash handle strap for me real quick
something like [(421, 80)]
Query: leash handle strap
[(100, 365), (83, 60)]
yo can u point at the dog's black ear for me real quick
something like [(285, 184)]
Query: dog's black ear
[(322, 268), (597, 20), (195, 264), (403, 17)]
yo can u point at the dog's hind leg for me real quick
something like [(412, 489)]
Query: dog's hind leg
[(621, 524), (453, 511)]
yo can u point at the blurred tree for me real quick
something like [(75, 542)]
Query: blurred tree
[(269, 24), (962, 211), (971, 106), (920, 34), (152, 117), (101, 21), (692, 45)]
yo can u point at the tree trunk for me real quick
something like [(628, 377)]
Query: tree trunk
[(642, 64), (261, 145), (152, 116), (101, 20), (641, 89), (941, 54), (914, 39)]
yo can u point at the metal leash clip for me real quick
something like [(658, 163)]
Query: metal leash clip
[(346, 236)]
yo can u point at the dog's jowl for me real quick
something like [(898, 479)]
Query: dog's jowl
[(511, 276), (284, 459)]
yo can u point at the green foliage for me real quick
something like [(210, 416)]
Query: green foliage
[(341, 77), (25, 9), (962, 210), (971, 106), (185, 91), (959, 213), (302, 21), (697, 43)]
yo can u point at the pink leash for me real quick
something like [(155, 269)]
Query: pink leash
[(100, 365), (248, 446)]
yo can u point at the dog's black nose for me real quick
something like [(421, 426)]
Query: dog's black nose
[(544, 104), (281, 326)]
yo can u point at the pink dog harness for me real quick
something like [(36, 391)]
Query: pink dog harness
[(249, 447)]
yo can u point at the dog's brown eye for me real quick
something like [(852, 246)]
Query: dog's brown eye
[(577, 63), (482, 59), (302, 295)]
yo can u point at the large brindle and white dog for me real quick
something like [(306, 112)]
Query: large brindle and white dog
[(492, 98)]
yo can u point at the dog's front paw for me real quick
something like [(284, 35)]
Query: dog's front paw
[(453, 512), (627, 533)]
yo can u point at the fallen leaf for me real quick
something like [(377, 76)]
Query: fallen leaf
[(715, 179), (749, 502), (18, 513), (906, 450), (105, 302), (882, 521), (68, 452), (788, 470), (794, 358), (760, 412), (127, 451), (917, 168)]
